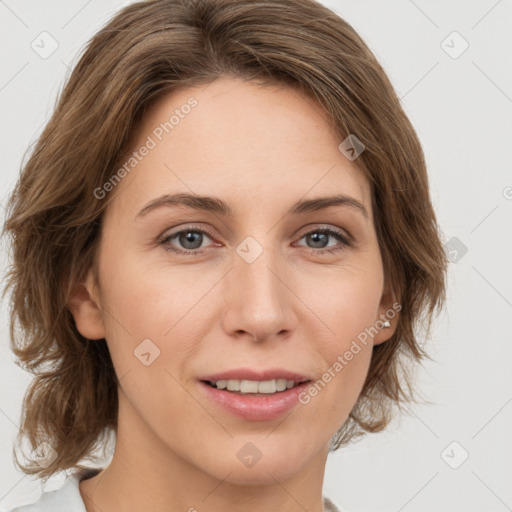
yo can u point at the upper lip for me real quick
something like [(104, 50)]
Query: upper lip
[(254, 374)]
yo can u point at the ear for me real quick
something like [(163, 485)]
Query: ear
[(388, 310), (86, 309)]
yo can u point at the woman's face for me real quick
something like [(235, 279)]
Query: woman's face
[(259, 288)]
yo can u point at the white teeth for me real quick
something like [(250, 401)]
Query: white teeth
[(255, 386), (221, 384), (233, 385), (249, 386), (281, 384), (267, 386)]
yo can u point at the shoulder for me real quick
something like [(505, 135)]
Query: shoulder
[(329, 506), (66, 498)]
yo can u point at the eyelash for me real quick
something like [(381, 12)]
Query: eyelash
[(345, 241)]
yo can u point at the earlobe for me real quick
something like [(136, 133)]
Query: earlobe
[(387, 320), (385, 332), (86, 311)]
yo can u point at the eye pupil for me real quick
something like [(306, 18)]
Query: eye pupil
[(319, 237), (191, 237)]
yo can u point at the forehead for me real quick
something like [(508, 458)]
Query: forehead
[(256, 144)]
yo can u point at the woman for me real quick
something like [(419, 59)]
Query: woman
[(223, 245)]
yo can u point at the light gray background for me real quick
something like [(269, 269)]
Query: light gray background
[(462, 110)]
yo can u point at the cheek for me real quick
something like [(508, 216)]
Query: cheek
[(167, 305), (348, 306), (346, 300), (353, 311), (335, 392), (144, 300)]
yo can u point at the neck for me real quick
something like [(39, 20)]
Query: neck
[(146, 475)]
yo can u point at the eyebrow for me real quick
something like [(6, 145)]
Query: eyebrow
[(218, 206)]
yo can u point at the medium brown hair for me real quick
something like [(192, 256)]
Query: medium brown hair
[(146, 51)]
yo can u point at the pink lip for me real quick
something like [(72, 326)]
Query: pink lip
[(250, 374), (252, 407)]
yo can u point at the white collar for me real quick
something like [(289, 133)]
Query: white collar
[(66, 498)]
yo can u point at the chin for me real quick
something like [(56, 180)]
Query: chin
[(261, 460)]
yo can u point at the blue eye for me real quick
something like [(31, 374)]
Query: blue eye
[(192, 238), (319, 236)]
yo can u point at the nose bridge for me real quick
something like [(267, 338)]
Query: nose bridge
[(262, 285), (257, 300)]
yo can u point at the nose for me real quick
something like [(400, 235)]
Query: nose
[(258, 301)]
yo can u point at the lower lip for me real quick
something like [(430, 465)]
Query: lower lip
[(256, 408)]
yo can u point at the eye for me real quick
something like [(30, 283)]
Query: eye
[(320, 239), (191, 239)]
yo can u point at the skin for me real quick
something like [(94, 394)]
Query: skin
[(261, 149)]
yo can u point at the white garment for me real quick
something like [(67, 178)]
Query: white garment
[(67, 497)]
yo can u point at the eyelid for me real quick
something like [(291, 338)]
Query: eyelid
[(327, 227), (305, 230), (166, 235)]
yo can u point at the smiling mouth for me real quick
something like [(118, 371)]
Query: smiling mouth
[(254, 387)]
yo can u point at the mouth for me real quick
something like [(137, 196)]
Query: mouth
[(254, 395), (255, 387)]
